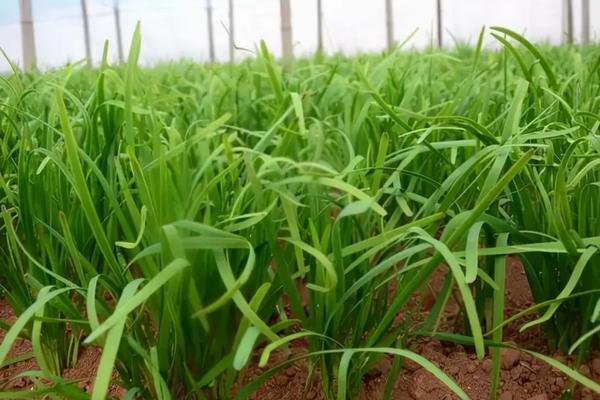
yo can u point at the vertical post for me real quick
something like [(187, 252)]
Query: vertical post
[(211, 39), (118, 28), (86, 32), (319, 26), (286, 30), (568, 21), (440, 40), (231, 33), (389, 24), (585, 22), (27, 35)]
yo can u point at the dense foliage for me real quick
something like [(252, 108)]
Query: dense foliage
[(179, 216)]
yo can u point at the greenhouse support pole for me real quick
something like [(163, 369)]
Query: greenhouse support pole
[(568, 21), (585, 21), (319, 26), (211, 39), (231, 33), (440, 41), (27, 35), (287, 51), (389, 24), (86, 32), (118, 28)]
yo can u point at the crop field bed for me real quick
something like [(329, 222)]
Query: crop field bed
[(406, 225), (523, 376)]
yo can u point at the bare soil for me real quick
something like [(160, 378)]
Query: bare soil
[(8, 374), (83, 374), (522, 376)]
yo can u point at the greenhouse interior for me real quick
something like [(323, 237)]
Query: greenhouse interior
[(300, 199)]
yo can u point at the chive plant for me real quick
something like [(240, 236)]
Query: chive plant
[(179, 216)]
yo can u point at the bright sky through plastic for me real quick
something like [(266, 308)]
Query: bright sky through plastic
[(172, 29)]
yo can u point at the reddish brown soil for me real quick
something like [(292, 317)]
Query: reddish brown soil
[(21, 347), (522, 376), (84, 372)]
